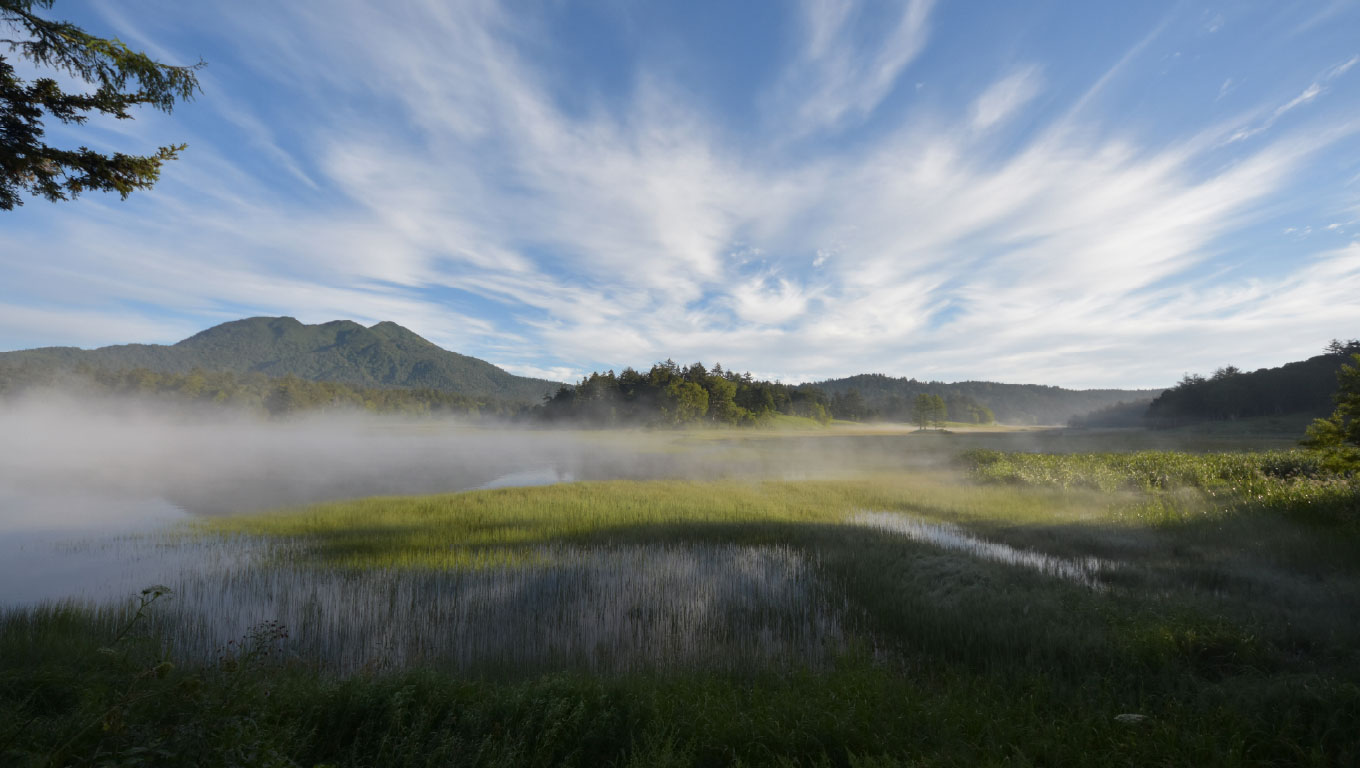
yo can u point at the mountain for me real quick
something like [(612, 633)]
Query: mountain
[(1011, 403), (384, 355)]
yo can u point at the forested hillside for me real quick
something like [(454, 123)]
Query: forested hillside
[(890, 399), (1303, 387), (251, 392), (342, 351)]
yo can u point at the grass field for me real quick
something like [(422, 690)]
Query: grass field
[(999, 607)]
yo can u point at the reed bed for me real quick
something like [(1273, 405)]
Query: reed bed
[(600, 609), (910, 616)]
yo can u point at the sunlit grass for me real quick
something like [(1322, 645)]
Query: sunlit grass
[(502, 526), (1172, 486), (1200, 553)]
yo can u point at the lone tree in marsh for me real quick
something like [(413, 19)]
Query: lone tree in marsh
[(122, 78), (928, 410), (1340, 432)]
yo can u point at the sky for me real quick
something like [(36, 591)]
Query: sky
[(1085, 194)]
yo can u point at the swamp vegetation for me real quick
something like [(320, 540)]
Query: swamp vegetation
[(989, 607)]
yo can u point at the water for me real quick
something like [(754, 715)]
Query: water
[(604, 609), (89, 500), (549, 475), (1086, 571), (77, 545), (95, 548)]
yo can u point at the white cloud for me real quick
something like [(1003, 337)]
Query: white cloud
[(768, 301), (1309, 93), (24, 326), (842, 75), (1342, 68), (478, 211), (1004, 97)]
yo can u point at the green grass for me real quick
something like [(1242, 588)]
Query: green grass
[(489, 527), (1231, 623), (1293, 483)]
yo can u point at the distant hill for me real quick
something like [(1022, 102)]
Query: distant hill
[(1304, 388), (1011, 403), (384, 355)]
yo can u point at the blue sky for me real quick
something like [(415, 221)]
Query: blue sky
[(1075, 193)]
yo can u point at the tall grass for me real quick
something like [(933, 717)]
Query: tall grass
[(871, 619), (1293, 483), (600, 609)]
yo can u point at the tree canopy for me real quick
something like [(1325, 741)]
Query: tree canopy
[(674, 395), (121, 78)]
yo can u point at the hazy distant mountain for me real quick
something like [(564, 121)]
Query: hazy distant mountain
[(385, 355), (1011, 403)]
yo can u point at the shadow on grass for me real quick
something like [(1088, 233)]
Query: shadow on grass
[(1202, 598), (956, 660)]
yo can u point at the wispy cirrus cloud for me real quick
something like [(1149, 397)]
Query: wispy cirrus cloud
[(851, 60), (1004, 97), (416, 163)]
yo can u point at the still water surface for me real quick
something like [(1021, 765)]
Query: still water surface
[(89, 507), (77, 545)]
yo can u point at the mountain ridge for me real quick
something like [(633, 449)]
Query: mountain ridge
[(1011, 403), (383, 355)]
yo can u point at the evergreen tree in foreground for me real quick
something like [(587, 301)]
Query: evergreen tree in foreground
[(1340, 432), (122, 78)]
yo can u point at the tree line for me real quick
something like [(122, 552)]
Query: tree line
[(671, 395), (1231, 393), (666, 395), (888, 398)]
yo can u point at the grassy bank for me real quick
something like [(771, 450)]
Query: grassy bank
[(1293, 483), (921, 617)]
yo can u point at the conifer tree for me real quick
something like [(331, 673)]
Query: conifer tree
[(121, 79), (1340, 432)]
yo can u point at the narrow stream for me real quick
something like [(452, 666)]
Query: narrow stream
[(1082, 570)]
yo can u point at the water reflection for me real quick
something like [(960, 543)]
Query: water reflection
[(1082, 570), (529, 477), (77, 545)]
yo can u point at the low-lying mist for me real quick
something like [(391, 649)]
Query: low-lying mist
[(78, 460), (215, 460), (219, 461)]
